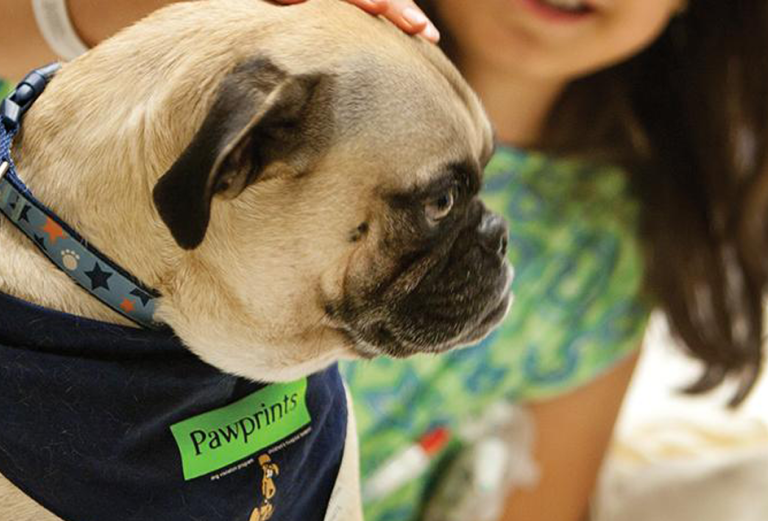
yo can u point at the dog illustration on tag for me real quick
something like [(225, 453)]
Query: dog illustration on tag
[(269, 469)]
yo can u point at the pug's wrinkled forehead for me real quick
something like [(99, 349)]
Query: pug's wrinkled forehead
[(398, 107), (409, 135)]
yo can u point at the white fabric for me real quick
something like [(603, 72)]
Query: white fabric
[(687, 471), (678, 458), (57, 29), (345, 503)]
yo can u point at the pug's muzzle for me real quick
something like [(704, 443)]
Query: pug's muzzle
[(450, 295)]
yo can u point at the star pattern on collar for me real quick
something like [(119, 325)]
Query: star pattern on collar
[(143, 296), (53, 230), (127, 305), (23, 216), (98, 277)]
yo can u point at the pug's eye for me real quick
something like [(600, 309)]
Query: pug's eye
[(439, 207)]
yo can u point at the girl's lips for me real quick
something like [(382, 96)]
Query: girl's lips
[(553, 14)]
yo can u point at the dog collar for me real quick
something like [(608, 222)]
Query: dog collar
[(68, 250)]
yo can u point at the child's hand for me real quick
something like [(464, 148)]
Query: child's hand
[(403, 13)]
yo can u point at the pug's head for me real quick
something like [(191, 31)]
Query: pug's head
[(327, 206)]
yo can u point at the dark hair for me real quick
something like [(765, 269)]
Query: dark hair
[(688, 118)]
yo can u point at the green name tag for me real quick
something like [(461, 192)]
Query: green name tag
[(215, 439)]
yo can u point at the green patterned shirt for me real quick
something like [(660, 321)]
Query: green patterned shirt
[(578, 310), (5, 89)]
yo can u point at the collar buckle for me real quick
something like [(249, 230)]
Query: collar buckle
[(10, 113), (16, 105)]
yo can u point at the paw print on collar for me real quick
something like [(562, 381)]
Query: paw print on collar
[(70, 259)]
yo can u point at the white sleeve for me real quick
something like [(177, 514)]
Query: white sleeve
[(57, 29), (345, 503)]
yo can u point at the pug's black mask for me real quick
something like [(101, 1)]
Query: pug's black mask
[(448, 281)]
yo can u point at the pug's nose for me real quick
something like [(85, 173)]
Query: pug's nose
[(493, 232)]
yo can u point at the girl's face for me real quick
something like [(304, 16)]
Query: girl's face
[(553, 39)]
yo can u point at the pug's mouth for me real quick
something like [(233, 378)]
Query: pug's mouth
[(388, 337)]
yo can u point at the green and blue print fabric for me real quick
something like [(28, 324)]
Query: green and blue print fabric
[(579, 309), (5, 88)]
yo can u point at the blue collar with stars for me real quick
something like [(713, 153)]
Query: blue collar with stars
[(85, 264)]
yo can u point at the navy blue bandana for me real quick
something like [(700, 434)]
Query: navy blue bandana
[(99, 421)]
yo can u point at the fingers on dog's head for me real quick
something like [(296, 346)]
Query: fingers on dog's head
[(260, 115)]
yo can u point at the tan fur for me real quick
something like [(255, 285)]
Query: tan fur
[(250, 299)]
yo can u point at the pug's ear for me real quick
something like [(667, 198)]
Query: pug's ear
[(260, 115)]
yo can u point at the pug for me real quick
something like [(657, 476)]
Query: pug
[(300, 185)]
